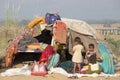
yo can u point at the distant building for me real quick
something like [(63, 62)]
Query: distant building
[(107, 30)]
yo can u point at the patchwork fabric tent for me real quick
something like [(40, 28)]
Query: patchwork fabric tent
[(89, 35), (74, 28), (86, 32)]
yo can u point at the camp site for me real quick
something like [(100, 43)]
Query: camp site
[(51, 47)]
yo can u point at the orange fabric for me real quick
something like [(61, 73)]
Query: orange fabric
[(10, 50), (39, 20), (15, 48), (60, 32), (9, 56), (34, 46)]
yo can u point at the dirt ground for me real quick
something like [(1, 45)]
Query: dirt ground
[(53, 76), (56, 77)]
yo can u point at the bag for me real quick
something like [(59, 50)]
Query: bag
[(51, 18), (38, 69)]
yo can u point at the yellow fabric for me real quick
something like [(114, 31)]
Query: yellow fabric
[(33, 47), (86, 67), (59, 47), (38, 20)]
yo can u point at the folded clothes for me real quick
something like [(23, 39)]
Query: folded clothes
[(33, 46)]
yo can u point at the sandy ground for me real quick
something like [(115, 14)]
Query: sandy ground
[(55, 77)]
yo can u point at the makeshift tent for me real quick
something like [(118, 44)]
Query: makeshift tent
[(81, 29), (87, 34)]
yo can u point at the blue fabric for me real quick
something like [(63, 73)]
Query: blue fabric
[(53, 61), (68, 66), (37, 51), (107, 63), (51, 18)]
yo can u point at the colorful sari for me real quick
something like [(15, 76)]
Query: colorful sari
[(47, 53), (107, 63)]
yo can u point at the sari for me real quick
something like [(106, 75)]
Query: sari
[(47, 53), (107, 63)]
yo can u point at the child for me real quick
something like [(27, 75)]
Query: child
[(90, 51), (93, 65), (92, 60), (77, 55)]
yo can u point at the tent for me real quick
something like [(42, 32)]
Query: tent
[(80, 28), (74, 28)]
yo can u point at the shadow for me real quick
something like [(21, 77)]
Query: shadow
[(26, 56)]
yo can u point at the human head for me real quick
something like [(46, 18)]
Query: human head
[(92, 59), (77, 40), (91, 47)]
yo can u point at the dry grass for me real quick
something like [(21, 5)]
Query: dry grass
[(115, 37), (7, 33), (114, 42)]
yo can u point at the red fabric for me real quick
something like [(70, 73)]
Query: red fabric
[(47, 53), (60, 32)]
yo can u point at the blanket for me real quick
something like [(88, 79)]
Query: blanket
[(17, 71), (63, 72)]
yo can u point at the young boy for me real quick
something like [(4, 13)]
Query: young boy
[(92, 60), (91, 51)]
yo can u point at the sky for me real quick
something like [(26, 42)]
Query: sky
[(75, 9)]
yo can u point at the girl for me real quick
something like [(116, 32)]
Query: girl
[(77, 55)]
